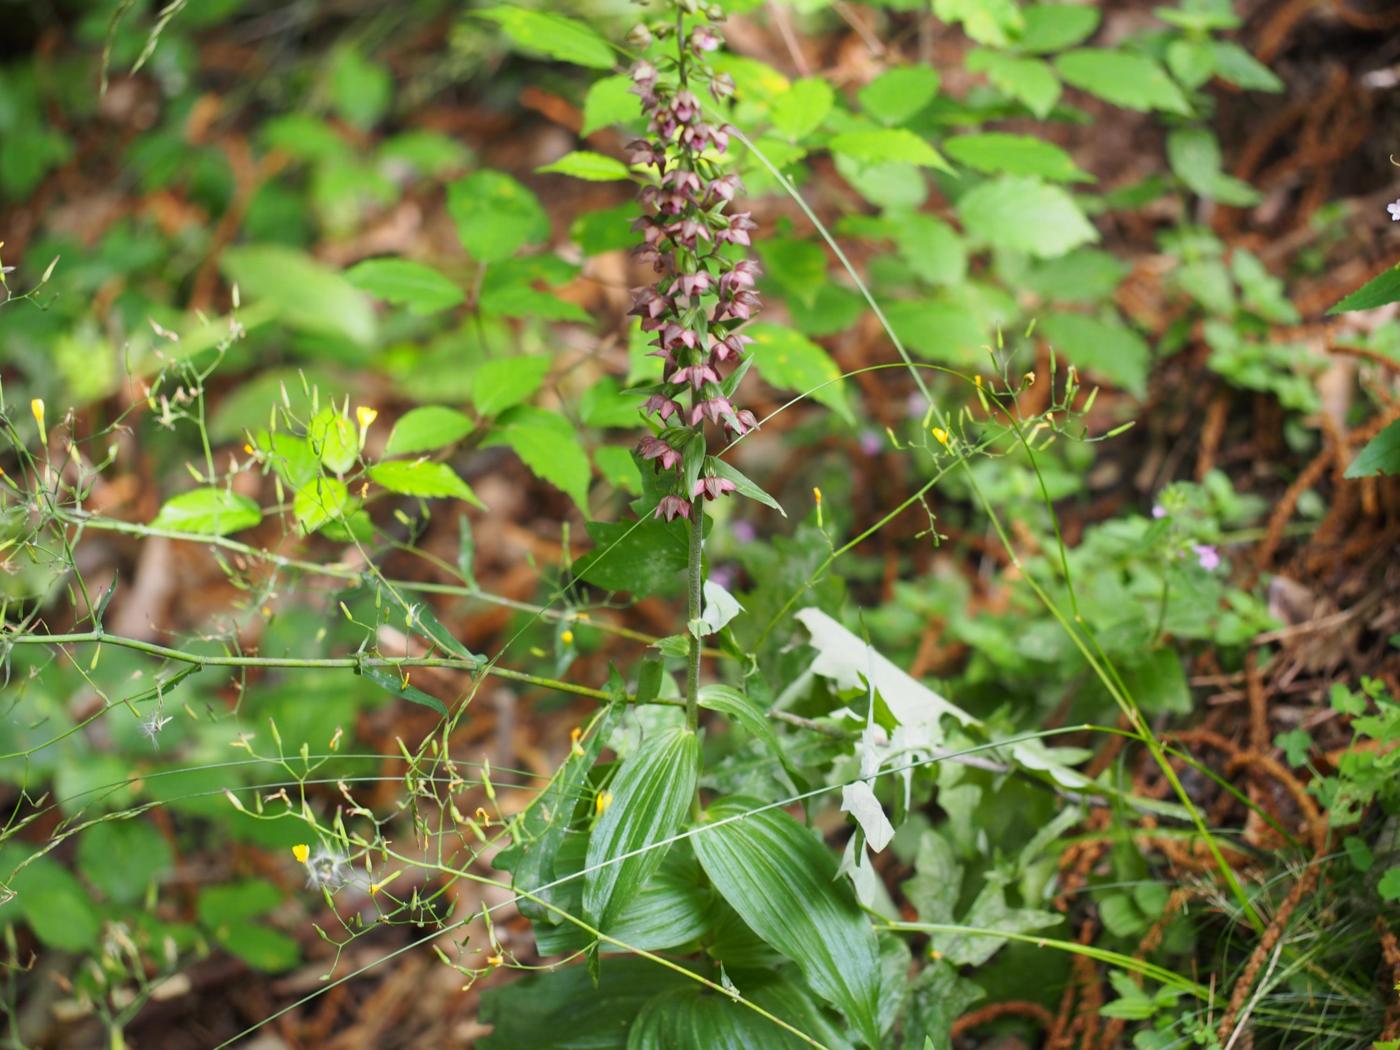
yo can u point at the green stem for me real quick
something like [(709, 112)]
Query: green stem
[(695, 575)]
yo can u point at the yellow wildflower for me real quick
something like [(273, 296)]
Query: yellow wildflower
[(301, 851), (604, 800), (37, 407), (941, 436), (567, 637), (365, 415)]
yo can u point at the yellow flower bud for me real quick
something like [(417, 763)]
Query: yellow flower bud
[(366, 416), (603, 801), (37, 407), (941, 436), (301, 851), (817, 495), (567, 637)]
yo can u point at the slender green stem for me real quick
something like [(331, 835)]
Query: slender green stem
[(695, 578)]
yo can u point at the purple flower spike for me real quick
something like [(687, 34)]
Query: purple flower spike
[(1207, 557), (654, 448)]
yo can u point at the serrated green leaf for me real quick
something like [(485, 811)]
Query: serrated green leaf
[(1380, 456), (426, 429), (1000, 153), (799, 110), (1054, 27), (546, 443), (1379, 291), (423, 478), (1028, 80), (1108, 349), (899, 93), (307, 295), (208, 511), (1239, 67), (1024, 214), (418, 286), (320, 501), (504, 382), (1195, 158), (790, 361), (639, 558), (554, 35), (495, 215), (591, 167), (886, 146), (1126, 79), (610, 100), (651, 796), (782, 881)]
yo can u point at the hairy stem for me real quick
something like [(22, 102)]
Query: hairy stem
[(695, 579)]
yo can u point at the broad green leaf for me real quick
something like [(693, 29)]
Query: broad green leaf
[(1195, 159), (362, 90), (993, 22), (610, 100), (651, 796), (495, 215), (790, 361), (1158, 683), (262, 948), (1054, 27), (1024, 214), (693, 1017), (123, 857), (423, 478), (1002, 154), (800, 110), (1239, 67), (797, 266), (236, 902), (739, 707), (306, 294), (425, 429), (604, 405), (1028, 80), (290, 457), (606, 230), (1191, 60), (640, 558), (1103, 348), (334, 439), (567, 1009), (57, 907), (553, 35), (421, 288), (897, 94), (940, 329), (504, 382), (547, 444), (591, 167), (1379, 291), (1123, 78), (931, 247), (1380, 456), (400, 685), (1085, 275), (321, 501), (429, 152), (782, 881), (888, 145), (208, 511)]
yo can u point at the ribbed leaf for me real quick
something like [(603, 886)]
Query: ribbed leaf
[(650, 798), (692, 1017), (782, 882)]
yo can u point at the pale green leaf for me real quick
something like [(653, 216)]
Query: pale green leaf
[(1027, 80), (547, 444), (306, 294), (640, 558), (999, 153), (1024, 214), (888, 145), (1126, 79), (591, 167), (992, 22), (899, 93), (800, 110), (1108, 349), (334, 439), (1054, 27), (495, 215), (790, 361), (422, 478), (610, 100), (416, 285), (503, 382), (425, 429), (208, 511), (321, 501), (554, 35)]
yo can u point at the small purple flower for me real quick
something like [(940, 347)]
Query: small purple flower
[(872, 442), (703, 38), (654, 448), (1159, 511), (743, 531), (741, 422), (724, 576), (673, 507), (712, 487), (1207, 557), (1394, 209), (663, 406)]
